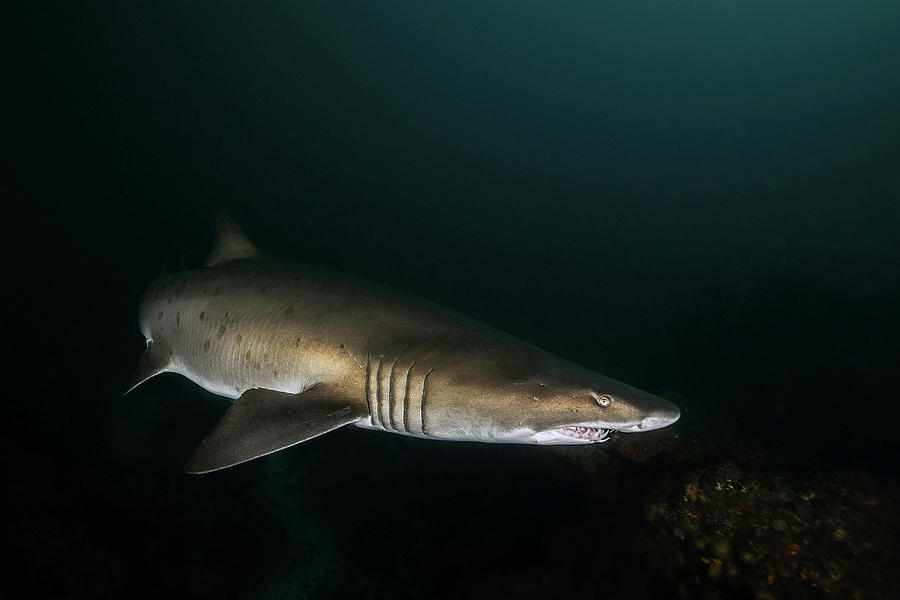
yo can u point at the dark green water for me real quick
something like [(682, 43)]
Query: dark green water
[(699, 198)]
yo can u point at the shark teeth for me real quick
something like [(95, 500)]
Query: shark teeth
[(592, 434)]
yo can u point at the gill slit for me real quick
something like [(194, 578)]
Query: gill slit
[(406, 398), (422, 405), (379, 399), (391, 396), (368, 394)]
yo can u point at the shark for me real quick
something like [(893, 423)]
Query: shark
[(303, 350)]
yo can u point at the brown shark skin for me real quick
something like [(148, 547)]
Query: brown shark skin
[(404, 364)]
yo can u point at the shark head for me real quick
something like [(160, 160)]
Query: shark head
[(557, 404), (587, 414)]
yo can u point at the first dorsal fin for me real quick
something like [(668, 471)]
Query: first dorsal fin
[(230, 243)]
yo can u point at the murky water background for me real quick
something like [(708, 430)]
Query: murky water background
[(701, 199)]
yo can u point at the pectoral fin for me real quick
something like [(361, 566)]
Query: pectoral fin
[(262, 421)]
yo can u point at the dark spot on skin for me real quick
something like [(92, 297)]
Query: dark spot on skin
[(342, 345), (161, 313), (297, 342), (202, 313), (289, 310), (226, 316), (178, 318), (222, 329), (247, 356), (206, 345), (266, 356), (237, 339), (274, 373)]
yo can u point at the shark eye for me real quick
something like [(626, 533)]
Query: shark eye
[(603, 400)]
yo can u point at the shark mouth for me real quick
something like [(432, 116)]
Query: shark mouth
[(588, 434)]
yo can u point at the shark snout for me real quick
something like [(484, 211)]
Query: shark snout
[(662, 416)]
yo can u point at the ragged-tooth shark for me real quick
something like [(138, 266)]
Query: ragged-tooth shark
[(305, 350)]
